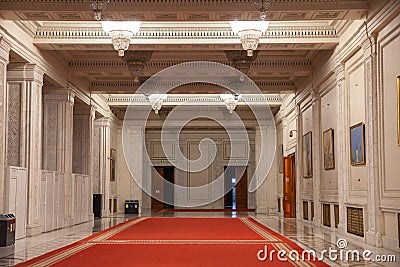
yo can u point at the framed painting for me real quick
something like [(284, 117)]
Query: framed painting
[(357, 145), (112, 164), (329, 151), (307, 155), (280, 159)]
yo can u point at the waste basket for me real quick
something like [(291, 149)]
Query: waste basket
[(131, 206), (7, 230)]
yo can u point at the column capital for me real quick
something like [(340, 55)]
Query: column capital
[(368, 45), (339, 71), (4, 50), (25, 72), (51, 94)]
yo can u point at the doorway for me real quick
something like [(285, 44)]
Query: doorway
[(235, 188), (161, 188), (289, 186)]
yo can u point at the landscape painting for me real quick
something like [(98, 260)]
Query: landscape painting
[(307, 155), (329, 154), (357, 149)]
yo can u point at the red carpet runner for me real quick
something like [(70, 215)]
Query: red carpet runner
[(176, 242)]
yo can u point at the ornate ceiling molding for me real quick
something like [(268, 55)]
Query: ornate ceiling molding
[(55, 36), (182, 10), (193, 100), (125, 87)]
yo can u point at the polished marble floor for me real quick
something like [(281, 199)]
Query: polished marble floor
[(304, 234)]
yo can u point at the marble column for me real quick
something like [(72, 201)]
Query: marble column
[(83, 137), (4, 59), (265, 142), (299, 163), (102, 128), (372, 145), (317, 162), (134, 154), (31, 78), (58, 106), (342, 146)]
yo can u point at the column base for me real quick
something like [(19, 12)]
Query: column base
[(32, 230), (105, 213), (374, 239), (342, 230), (91, 216), (317, 222)]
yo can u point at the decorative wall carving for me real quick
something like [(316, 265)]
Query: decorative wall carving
[(14, 125)]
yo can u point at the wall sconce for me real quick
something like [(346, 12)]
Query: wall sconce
[(291, 133), (121, 33)]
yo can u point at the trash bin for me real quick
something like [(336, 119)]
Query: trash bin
[(7, 230), (131, 206)]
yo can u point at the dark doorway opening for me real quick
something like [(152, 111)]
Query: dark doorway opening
[(235, 188), (163, 190)]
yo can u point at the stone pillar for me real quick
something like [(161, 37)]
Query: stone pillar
[(317, 162), (4, 59), (83, 138), (31, 78), (102, 127), (134, 154), (372, 145), (265, 142), (342, 156), (299, 163), (58, 106)]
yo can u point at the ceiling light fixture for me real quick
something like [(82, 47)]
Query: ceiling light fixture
[(262, 6), (98, 6), (121, 33), (156, 101), (230, 101), (249, 33)]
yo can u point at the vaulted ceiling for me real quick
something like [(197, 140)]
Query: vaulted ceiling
[(177, 31)]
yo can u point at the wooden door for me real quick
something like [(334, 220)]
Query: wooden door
[(241, 188), (289, 187), (157, 187)]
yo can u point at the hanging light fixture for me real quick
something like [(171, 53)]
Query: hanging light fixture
[(230, 101), (249, 33), (262, 6), (98, 6), (121, 33)]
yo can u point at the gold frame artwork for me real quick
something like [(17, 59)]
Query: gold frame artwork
[(398, 111), (307, 156), (357, 127), (112, 164), (329, 149)]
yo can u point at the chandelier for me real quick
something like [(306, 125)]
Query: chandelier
[(262, 6), (98, 6), (230, 101), (121, 33), (136, 61), (249, 33)]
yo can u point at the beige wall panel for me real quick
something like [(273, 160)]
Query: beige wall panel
[(391, 69), (356, 88), (329, 111)]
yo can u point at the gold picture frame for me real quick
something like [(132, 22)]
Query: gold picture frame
[(357, 144), (307, 155), (329, 149)]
